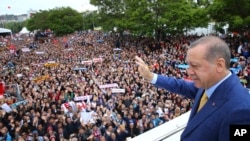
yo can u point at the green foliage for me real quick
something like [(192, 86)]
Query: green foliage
[(91, 19), (147, 17), (247, 21), (150, 17), (236, 21), (15, 27), (233, 12), (38, 21), (61, 20)]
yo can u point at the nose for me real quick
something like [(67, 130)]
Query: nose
[(190, 71)]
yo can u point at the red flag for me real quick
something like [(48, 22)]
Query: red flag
[(12, 47), (2, 89), (66, 105)]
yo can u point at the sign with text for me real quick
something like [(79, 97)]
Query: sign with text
[(108, 85), (118, 90)]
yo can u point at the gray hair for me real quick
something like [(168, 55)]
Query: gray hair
[(216, 48)]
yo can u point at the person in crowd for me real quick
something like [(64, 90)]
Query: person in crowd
[(55, 91)]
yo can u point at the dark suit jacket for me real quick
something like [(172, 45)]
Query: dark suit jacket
[(229, 104)]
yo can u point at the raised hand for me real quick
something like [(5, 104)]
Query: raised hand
[(144, 69)]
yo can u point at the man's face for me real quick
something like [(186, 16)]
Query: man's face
[(200, 70), (4, 130)]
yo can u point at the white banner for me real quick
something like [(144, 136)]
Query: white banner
[(51, 62), (12, 51), (69, 49), (19, 75), (118, 90), (86, 117), (25, 49), (80, 69), (38, 64), (6, 108), (95, 60), (81, 98), (39, 52), (108, 85), (87, 62)]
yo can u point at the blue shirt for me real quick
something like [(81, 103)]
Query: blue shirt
[(211, 90)]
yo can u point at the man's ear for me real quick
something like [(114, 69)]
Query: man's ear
[(220, 64)]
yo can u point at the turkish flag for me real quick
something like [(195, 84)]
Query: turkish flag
[(2, 89), (66, 105), (12, 47)]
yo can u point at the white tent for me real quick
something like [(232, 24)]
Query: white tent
[(4, 30), (24, 31)]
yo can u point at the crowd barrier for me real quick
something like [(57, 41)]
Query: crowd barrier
[(169, 131)]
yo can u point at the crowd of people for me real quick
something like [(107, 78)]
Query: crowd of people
[(86, 86)]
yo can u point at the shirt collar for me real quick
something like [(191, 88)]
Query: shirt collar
[(211, 90)]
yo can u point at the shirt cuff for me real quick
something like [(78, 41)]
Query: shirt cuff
[(153, 81)]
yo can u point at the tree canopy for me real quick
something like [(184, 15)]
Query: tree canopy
[(15, 26), (154, 18), (233, 12), (150, 17), (61, 20)]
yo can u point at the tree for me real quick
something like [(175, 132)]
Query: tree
[(91, 19), (60, 20), (151, 17), (38, 20), (111, 13), (232, 12), (15, 26)]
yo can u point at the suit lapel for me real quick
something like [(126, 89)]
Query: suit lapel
[(219, 97), (210, 107), (196, 104)]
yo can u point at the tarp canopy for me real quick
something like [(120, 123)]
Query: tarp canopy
[(24, 31), (5, 30)]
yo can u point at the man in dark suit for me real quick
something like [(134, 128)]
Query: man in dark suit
[(219, 98)]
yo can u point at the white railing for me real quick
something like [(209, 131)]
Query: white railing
[(169, 131)]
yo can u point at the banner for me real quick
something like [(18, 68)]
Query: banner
[(98, 28), (39, 52), (19, 75), (68, 49), (76, 69), (108, 85), (25, 49), (51, 64), (81, 98), (41, 78), (6, 108), (89, 62), (95, 60), (18, 103), (118, 90), (38, 64)]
